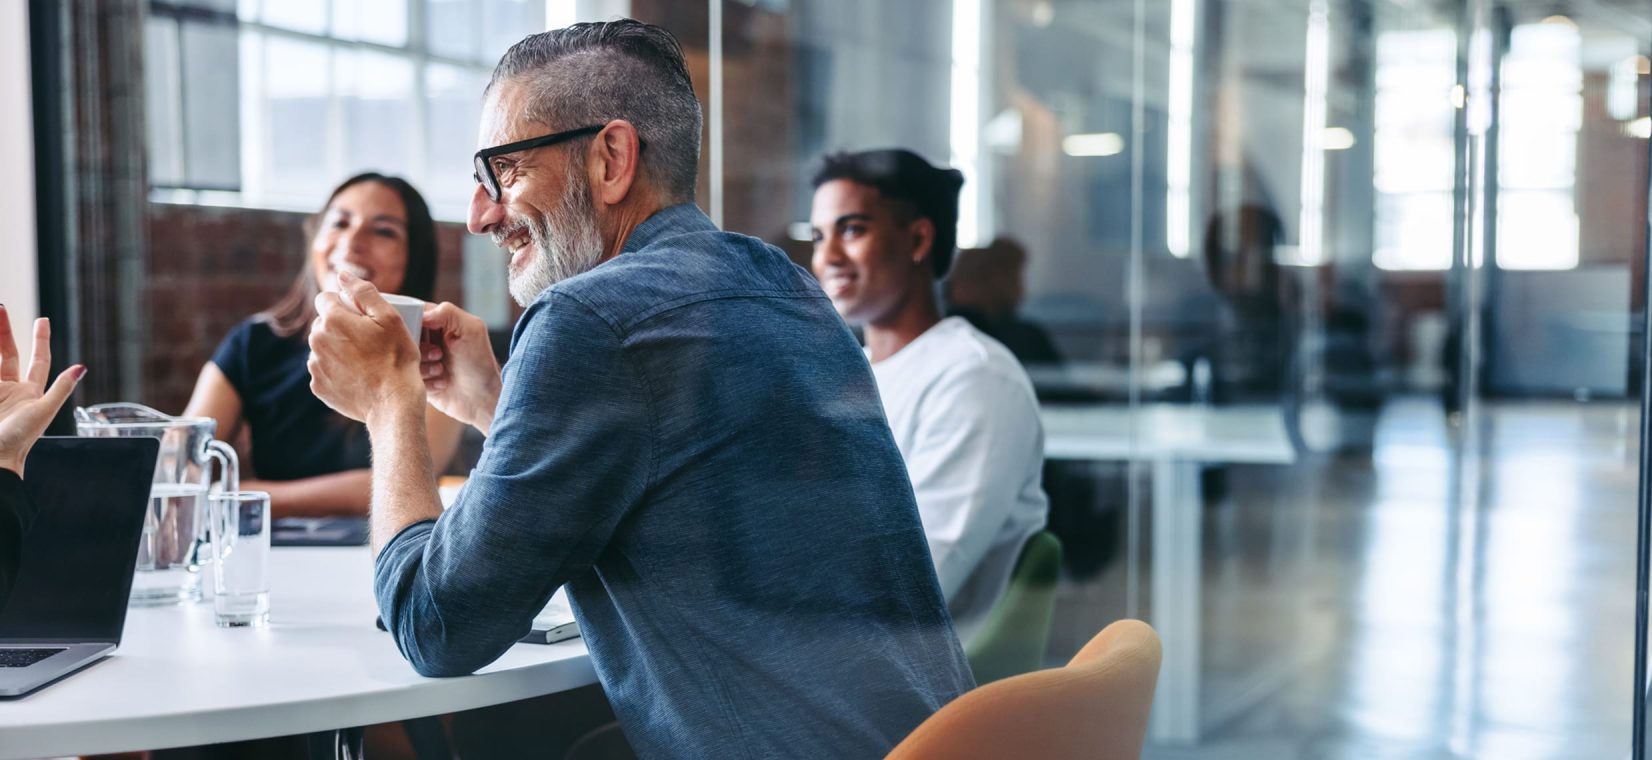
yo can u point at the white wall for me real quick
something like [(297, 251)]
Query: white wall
[(18, 287)]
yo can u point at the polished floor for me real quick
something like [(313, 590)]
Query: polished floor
[(1458, 591)]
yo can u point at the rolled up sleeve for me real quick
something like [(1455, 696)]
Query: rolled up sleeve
[(569, 455)]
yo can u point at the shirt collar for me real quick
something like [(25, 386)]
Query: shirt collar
[(669, 221)]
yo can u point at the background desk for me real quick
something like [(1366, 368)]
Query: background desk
[(1175, 440), (179, 680)]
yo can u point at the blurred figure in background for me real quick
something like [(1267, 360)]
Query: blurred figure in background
[(1265, 349), (1250, 355), (312, 460), (884, 225), (986, 287)]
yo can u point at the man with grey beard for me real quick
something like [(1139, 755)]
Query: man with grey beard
[(685, 434)]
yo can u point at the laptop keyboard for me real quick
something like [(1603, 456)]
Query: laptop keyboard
[(22, 658)]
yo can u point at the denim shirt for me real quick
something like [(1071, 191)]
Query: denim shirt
[(689, 437)]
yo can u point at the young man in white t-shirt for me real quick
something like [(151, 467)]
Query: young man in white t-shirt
[(961, 407)]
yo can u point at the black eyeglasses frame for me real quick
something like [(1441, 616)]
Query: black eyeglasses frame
[(483, 168)]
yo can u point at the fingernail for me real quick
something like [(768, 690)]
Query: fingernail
[(80, 372), (344, 276)]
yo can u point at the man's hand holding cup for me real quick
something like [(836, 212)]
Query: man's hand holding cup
[(362, 362)]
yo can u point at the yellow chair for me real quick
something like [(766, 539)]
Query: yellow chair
[(1094, 708)]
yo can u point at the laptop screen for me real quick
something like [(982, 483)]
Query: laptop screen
[(90, 496)]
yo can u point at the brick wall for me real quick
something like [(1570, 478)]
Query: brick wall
[(209, 268), (760, 166)]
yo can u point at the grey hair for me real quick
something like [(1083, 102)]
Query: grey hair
[(590, 73)]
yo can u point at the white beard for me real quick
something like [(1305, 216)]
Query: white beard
[(565, 241)]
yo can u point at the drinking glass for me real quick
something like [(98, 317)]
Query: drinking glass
[(240, 523)]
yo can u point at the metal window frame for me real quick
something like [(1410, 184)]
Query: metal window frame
[(253, 190)]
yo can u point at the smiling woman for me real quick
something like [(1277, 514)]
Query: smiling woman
[(312, 460)]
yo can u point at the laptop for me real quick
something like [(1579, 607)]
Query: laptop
[(68, 604)]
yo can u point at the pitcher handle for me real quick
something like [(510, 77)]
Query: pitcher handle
[(229, 461), (216, 528)]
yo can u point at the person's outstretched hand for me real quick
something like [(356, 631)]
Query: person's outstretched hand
[(26, 404)]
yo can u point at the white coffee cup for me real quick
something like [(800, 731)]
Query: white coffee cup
[(411, 310)]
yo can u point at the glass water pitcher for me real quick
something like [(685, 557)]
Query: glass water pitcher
[(174, 544)]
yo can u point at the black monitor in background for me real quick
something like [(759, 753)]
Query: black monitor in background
[(90, 497)]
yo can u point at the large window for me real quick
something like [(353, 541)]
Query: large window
[(1542, 111), (1416, 99), (1542, 104), (191, 80), (284, 98)]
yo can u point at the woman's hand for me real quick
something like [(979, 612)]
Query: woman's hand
[(26, 404)]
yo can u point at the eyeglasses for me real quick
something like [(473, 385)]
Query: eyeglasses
[(484, 175)]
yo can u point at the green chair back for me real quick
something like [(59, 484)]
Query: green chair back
[(1016, 633)]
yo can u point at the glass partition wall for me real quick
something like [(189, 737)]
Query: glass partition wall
[(1334, 307), (1333, 310)]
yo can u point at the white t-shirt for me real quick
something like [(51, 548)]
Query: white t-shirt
[(966, 421)]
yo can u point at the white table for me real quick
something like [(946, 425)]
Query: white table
[(1107, 378), (178, 680), (1176, 440)]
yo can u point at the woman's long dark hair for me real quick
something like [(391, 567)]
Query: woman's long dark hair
[(292, 314)]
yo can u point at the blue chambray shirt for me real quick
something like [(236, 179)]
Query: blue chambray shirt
[(690, 439)]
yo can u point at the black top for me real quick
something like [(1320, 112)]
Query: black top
[(16, 512), (294, 435)]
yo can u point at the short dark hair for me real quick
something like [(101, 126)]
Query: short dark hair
[(905, 177), (590, 73), (293, 313)]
